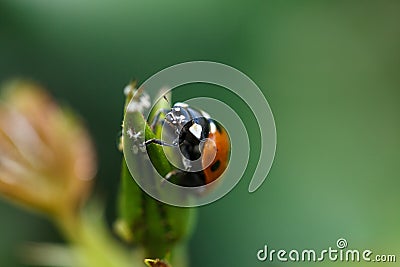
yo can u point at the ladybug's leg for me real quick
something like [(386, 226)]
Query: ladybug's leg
[(176, 174), (187, 179), (157, 142), (172, 173)]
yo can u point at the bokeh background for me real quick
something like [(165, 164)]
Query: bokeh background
[(329, 69)]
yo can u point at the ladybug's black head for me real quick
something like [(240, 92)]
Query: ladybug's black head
[(191, 135)]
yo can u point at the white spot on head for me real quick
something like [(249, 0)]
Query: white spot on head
[(196, 130), (180, 104), (177, 109), (205, 114), (213, 127)]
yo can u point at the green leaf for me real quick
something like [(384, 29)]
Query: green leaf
[(155, 226)]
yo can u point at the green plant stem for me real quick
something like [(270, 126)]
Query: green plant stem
[(90, 241), (156, 227)]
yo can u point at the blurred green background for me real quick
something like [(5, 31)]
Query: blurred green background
[(329, 69)]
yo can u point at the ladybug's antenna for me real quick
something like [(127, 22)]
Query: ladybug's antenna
[(165, 98)]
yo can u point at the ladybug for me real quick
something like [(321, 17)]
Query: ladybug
[(204, 144)]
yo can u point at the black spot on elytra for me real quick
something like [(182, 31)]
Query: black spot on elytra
[(215, 166)]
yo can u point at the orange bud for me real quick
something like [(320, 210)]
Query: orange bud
[(47, 160)]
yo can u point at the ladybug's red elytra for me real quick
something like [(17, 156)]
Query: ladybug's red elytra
[(197, 135)]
